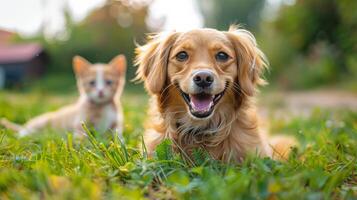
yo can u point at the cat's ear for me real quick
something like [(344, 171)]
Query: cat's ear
[(119, 64), (80, 64)]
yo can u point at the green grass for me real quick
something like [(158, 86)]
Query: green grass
[(55, 166)]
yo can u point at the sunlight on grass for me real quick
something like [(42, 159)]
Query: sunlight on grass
[(55, 165)]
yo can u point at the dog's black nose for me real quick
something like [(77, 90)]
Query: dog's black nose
[(203, 78)]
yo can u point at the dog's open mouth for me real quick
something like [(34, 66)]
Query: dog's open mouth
[(201, 105)]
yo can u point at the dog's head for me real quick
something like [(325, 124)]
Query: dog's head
[(205, 66)]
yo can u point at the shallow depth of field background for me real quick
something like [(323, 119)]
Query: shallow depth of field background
[(312, 94), (310, 44)]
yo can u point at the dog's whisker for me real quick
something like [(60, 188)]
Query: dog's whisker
[(239, 89), (177, 112), (163, 101), (167, 87)]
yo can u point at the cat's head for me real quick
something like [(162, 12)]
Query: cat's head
[(100, 83)]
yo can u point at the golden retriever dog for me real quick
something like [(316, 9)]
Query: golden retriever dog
[(202, 85)]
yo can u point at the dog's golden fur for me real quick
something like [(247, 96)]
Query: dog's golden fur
[(232, 131)]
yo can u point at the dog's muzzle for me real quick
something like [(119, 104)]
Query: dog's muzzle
[(201, 105)]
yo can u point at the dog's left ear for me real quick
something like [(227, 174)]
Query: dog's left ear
[(152, 60), (251, 61)]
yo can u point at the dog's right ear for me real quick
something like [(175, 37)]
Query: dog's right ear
[(80, 65), (152, 60)]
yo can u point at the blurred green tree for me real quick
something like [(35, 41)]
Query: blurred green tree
[(104, 33), (221, 13), (312, 43)]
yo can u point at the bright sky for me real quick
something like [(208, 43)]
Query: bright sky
[(27, 16), (178, 14)]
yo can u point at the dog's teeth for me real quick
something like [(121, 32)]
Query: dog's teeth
[(217, 97)]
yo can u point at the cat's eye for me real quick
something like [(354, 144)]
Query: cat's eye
[(92, 83), (108, 82), (182, 56), (222, 56)]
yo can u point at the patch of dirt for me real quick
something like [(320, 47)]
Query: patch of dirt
[(302, 103)]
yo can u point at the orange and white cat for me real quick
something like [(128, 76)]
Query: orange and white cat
[(100, 87)]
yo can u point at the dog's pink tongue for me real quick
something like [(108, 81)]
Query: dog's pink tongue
[(201, 104)]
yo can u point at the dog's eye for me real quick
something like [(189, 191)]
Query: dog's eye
[(222, 57), (182, 56)]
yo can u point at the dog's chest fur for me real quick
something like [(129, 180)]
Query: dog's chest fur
[(227, 135), (229, 142)]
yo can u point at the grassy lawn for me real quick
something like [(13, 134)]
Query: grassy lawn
[(52, 165)]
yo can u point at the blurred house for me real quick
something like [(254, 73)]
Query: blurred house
[(6, 37), (20, 62)]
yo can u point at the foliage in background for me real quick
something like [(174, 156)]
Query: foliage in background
[(312, 43), (309, 43), (108, 31), (222, 13)]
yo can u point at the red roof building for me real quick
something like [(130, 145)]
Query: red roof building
[(6, 37), (19, 53), (21, 62)]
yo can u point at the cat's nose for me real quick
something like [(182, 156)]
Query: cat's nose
[(100, 93)]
